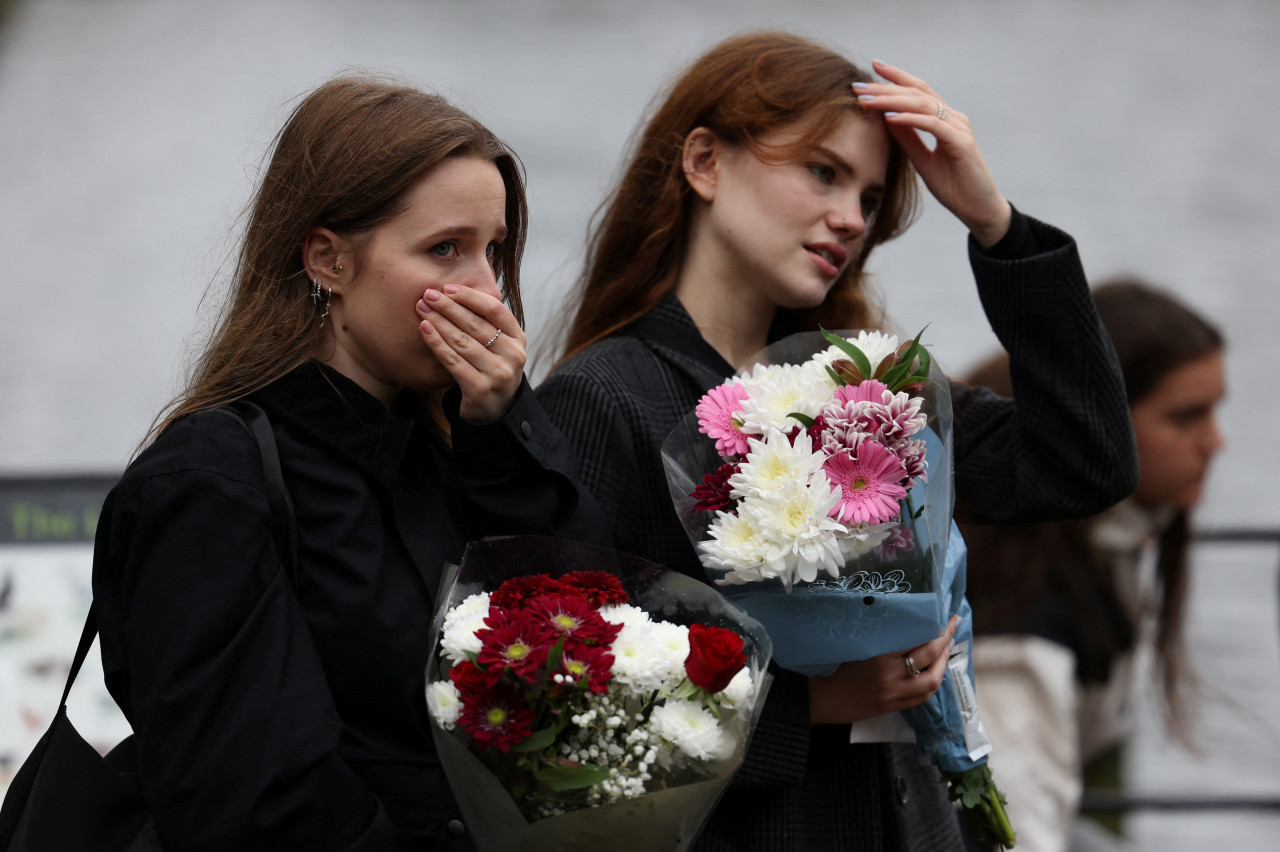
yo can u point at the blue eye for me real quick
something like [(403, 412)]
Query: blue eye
[(445, 249), (826, 174)]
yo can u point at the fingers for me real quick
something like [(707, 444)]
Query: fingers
[(478, 341)]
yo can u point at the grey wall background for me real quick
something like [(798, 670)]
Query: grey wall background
[(131, 131)]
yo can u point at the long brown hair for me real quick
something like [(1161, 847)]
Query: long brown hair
[(345, 160), (1154, 334), (741, 89)]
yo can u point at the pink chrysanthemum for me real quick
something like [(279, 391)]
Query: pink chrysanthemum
[(870, 485), (716, 418)]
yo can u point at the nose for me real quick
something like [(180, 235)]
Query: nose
[(1213, 440), (847, 221), (480, 275)]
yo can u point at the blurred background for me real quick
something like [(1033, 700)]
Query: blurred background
[(131, 132)]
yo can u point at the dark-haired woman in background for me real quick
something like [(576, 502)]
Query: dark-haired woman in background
[(1060, 609), (747, 211), (375, 318)]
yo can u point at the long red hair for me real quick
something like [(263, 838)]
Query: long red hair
[(741, 89)]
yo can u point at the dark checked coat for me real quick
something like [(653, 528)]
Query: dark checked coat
[(1067, 449), (278, 714)]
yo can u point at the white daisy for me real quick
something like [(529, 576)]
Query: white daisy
[(795, 522), (649, 657), (740, 691)]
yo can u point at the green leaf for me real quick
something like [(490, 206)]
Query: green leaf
[(560, 778), (855, 354), (538, 740), (805, 420), (835, 377)]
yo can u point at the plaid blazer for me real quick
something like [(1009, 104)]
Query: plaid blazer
[(1065, 450)]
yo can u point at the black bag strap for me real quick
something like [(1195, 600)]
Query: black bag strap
[(282, 517)]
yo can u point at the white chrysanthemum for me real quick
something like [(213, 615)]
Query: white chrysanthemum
[(444, 703), (862, 538), (796, 524), (691, 729), (874, 344), (650, 656), (740, 691), (774, 462), (788, 388), (624, 614), (458, 635), (738, 544)]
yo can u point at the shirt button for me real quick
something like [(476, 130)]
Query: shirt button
[(526, 430), (456, 828), (902, 790)]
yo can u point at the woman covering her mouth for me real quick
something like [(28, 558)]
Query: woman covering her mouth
[(754, 196)]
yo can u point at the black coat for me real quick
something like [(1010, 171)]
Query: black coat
[(274, 717), (1067, 449)]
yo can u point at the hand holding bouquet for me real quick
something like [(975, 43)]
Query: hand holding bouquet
[(560, 690)]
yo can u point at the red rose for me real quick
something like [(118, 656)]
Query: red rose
[(715, 656)]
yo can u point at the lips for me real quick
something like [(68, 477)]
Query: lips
[(830, 257)]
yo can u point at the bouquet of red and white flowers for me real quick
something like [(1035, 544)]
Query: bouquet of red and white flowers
[(568, 715)]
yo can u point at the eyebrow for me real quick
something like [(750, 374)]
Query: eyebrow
[(844, 167), (454, 231)]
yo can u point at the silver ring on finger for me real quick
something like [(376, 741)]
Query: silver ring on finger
[(942, 112), (494, 339), (911, 666)]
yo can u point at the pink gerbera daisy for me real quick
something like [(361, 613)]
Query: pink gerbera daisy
[(865, 391), (870, 485), (717, 420)]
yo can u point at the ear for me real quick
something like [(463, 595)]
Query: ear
[(322, 257), (700, 159)]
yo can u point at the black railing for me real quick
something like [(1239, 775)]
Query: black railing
[(1106, 802)]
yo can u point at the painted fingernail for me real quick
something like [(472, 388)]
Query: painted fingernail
[(890, 114), (428, 328), (423, 307), (859, 85), (451, 289), (432, 295), (865, 98)]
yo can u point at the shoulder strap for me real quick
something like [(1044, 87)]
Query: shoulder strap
[(255, 420), (286, 526)]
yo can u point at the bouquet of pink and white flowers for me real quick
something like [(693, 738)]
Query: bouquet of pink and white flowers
[(568, 714), (817, 488)]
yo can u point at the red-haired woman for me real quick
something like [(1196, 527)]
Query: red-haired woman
[(374, 318), (747, 211)]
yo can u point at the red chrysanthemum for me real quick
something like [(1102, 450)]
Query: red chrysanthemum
[(713, 494), (591, 662), (496, 718), (516, 591), (572, 617), (600, 587), (516, 640)]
